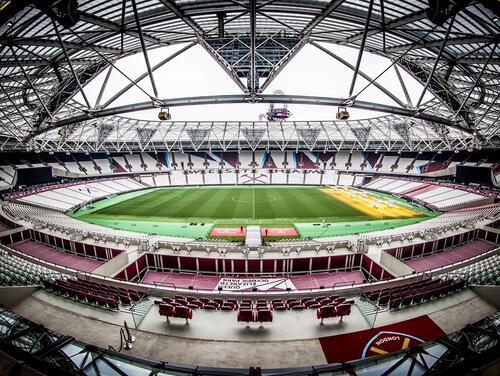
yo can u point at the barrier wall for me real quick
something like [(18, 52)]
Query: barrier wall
[(252, 267)]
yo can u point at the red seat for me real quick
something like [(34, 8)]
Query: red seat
[(183, 312), (210, 305), (326, 312), (246, 315), (310, 303), (166, 310), (264, 316), (339, 300), (245, 306), (343, 310)]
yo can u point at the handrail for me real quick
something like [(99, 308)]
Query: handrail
[(156, 283)]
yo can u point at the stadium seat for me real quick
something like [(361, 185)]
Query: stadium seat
[(183, 312), (246, 315), (325, 312), (264, 315), (342, 310)]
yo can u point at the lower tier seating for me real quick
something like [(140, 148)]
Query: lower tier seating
[(232, 304), (415, 292), (95, 293), (261, 314), (169, 310), (334, 310), (16, 271), (484, 272)]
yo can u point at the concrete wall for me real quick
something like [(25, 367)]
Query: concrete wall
[(112, 266), (12, 295), (489, 293), (394, 265)]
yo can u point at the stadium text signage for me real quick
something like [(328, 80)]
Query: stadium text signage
[(261, 284)]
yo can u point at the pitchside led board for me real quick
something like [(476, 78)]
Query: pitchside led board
[(473, 174), (33, 175)]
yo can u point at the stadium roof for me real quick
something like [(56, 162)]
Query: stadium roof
[(50, 52)]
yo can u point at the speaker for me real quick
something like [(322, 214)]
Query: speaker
[(321, 287), (254, 289), (219, 288), (190, 287)]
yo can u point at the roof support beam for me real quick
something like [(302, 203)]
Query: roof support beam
[(436, 61), (403, 86), (253, 68), (144, 49), (103, 87), (70, 64), (361, 73), (15, 106), (326, 12), (417, 16), (94, 20), (476, 81), (35, 91), (264, 98), (200, 35), (52, 43), (361, 48), (144, 75), (450, 42)]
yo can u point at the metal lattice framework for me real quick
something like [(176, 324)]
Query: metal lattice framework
[(382, 133), (44, 65)]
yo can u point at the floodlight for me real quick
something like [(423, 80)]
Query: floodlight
[(164, 114), (342, 113)]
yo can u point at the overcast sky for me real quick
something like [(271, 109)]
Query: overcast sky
[(195, 73)]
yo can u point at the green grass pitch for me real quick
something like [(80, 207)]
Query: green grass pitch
[(193, 211)]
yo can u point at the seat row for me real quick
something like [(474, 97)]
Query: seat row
[(261, 313), (232, 304), (484, 272), (94, 292), (413, 292), (169, 310), (15, 271), (334, 310), (424, 294), (253, 311)]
